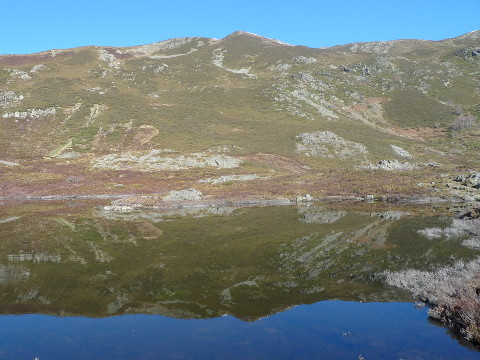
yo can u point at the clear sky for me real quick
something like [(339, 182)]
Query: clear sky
[(35, 25)]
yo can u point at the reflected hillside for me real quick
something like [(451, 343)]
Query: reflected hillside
[(248, 262)]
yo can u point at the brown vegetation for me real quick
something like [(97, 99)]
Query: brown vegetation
[(451, 292)]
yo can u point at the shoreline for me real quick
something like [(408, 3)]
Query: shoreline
[(141, 200)]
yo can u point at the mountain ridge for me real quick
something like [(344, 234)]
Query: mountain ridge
[(241, 107), (471, 35)]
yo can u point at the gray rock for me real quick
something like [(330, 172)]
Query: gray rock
[(121, 208), (304, 60), (329, 145), (460, 178), (37, 68), (468, 198), (472, 180), (9, 98), (183, 195), (8, 163), (391, 165), (305, 198), (401, 152), (227, 178), (31, 114), (156, 160)]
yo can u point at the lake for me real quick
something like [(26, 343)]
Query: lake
[(286, 282)]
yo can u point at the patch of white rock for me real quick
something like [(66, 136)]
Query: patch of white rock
[(156, 160), (30, 114), (217, 60)]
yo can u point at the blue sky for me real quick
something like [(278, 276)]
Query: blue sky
[(31, 26)]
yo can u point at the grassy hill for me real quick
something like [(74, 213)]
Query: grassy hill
[(96, 111)]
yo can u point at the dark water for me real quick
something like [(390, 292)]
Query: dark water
[(252, 283)]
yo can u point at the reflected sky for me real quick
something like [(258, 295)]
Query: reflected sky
[(325, 330)]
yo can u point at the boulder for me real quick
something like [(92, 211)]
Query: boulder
[(460, 178), (305, 198), (472, 180)]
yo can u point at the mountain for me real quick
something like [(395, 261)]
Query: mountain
[(255, 115)]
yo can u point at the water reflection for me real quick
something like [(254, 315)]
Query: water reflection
[(204, 263)]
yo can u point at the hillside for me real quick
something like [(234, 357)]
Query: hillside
[(244, 116)]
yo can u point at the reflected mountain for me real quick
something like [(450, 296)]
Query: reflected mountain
[(247, 262)]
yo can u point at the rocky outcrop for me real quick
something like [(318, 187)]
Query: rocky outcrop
[(37, 68), (19, 74), (9, 98), (183, 195), (390, 165), (401, 152), (472, 214), (465, 187), (31, 114), (120, 208), (472, 180), (150, 49), (329, 145), (227, 178), (217, 60), (109, 58), (156, 160), (298, 96), (304, 60), (307, 198), (280, 67)]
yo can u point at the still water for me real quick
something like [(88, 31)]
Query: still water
[(285, 282)]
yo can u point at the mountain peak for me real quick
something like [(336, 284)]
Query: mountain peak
[(244, 33), (241, 33)]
